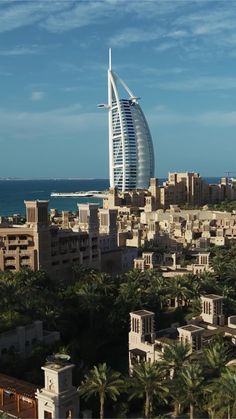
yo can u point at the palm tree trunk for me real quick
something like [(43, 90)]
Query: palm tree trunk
[(211, 413), (177, 409), (175, 413), (150, 408), (229, 415), (147, 405), (102, 406), (91, 319), (191, 411)]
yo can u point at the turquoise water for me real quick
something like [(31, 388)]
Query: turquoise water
[(14, 192)]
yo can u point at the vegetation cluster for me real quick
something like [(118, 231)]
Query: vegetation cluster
[(91, 311)]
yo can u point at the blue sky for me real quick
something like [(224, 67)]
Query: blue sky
[(179, 56)]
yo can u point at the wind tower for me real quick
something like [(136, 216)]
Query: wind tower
[(59, 398)]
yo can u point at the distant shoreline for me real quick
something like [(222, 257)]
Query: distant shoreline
[(50, 178), (83, 179)]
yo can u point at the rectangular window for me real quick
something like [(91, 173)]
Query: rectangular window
[(47, 415)]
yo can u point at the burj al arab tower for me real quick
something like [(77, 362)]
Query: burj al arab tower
[(131, 155)]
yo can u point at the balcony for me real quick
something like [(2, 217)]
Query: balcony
[(9, 262), (18, 241), (25, 263), (27, 252)]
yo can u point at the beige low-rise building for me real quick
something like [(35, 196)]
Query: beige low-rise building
[(59, 398), (146, 344), (147, 261), (39, 244), (169, 266), (186, 188), (24, 338)]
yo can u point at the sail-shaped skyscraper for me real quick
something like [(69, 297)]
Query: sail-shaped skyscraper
[(131, 155)]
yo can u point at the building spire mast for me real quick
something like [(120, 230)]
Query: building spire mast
[(110, 59)]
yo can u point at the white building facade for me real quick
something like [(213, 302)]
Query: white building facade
[(131, 155)]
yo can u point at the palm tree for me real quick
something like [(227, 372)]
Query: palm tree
[(130, 296), (176, 394), (105, 282), (104, 382), (174, 357), (192, 379), (80, 271), (195, 287), (208, 283), (222, 395), (157, 291), (179, 291), (9, 301), (216, 356), (146, 383), (89, 298), (219, 264)]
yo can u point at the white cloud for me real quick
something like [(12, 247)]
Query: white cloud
[(160, 71), (89, 12), (161, 115), (205, 28), (164, 46), (69, 89), (178, 34), (61, 16), (58, 123), (17, 14), (26, 49), (80, 14), (199, 83), (21, 50), (133, 35), (67, 67), (37, 96)]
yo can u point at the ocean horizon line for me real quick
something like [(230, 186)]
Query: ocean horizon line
[(80, 178), (50, 178)]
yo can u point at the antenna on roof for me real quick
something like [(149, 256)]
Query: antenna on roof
[(110, 59)]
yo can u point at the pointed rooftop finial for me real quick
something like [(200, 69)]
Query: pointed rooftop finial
[(109, 58)]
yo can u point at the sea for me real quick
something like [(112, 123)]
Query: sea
[(13, 192)]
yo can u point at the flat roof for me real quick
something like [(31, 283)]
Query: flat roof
[(165, 339), (218, 329), (212, 296), (142, 312), (17, 386), (191, 328)]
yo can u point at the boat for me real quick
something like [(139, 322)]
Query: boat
[(71, 194), (89, 194)]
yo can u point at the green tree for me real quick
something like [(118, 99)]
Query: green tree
[(4, 415), (174, 357), (192, 385), (176, 394), (89, 298), (147, 382), (221, 395), (179, 291), (157, 292), (104, 382), (215, 356), (219, 263), (131, 294)]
